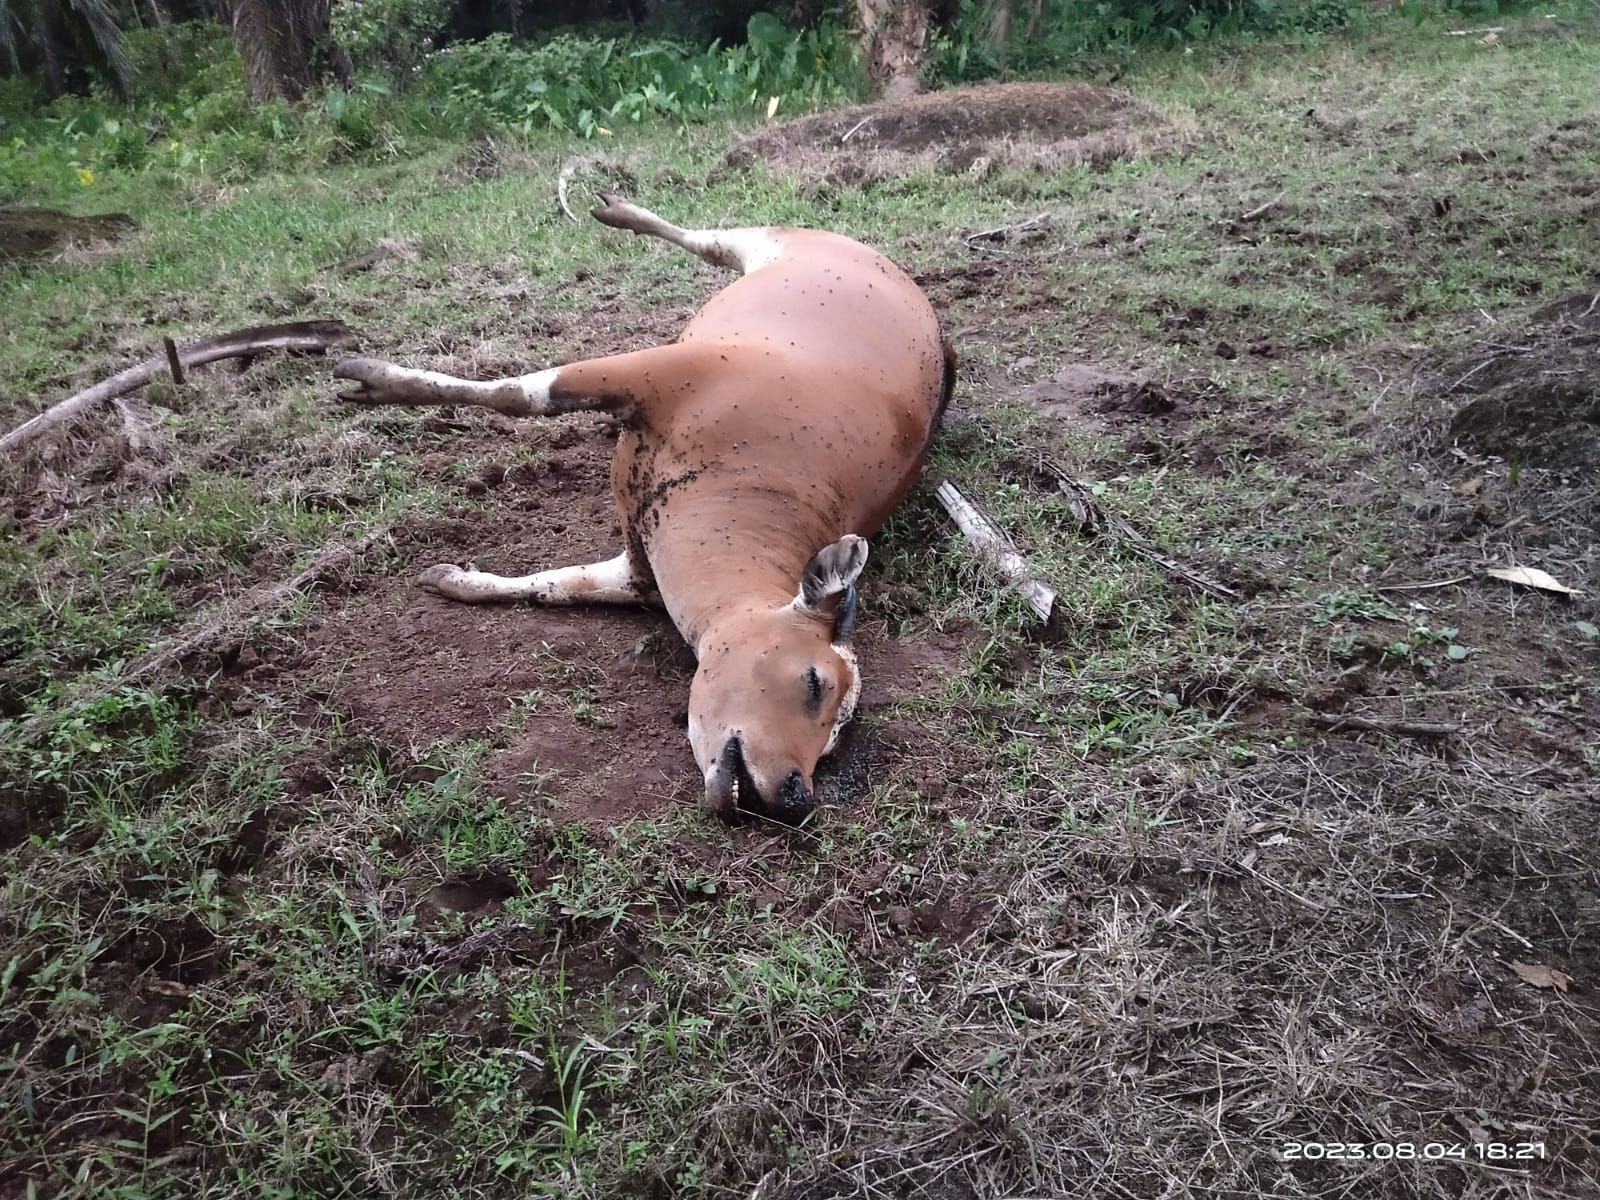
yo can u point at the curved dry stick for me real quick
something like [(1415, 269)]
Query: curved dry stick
[(313, 336), (570, 166)]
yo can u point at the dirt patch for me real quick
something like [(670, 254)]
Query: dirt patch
[(32, 233), (479, 894), (1052, 126), (1534, 400), (1117, 399), (586, 707), (1511, 433), (1195, 421)]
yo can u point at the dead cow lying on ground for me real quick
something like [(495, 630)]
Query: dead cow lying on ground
[(757, 453)]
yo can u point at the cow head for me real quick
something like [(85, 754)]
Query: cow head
[(775, 686)]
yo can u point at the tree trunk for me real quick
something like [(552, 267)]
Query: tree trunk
[(508, 17), (51, 48), (1000, 33), (278, 42), (894, 39)]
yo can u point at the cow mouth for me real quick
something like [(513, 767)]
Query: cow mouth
[(731, 789)]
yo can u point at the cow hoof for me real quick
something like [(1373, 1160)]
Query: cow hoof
[(436, 580), (367, 374), (611, 210)]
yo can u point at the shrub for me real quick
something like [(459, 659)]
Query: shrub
[(388, 37), (970, 47), (181, 62), (588, 84)]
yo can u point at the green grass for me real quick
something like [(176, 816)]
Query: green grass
[(1112, 915)]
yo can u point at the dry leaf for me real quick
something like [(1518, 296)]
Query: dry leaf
[(772, 107), (1489, 39), (1532, 577), (1540, 976), (1469, 487)]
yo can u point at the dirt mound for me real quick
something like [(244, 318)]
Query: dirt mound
[(1055, 125), (27, 233), (1534, 401), (1512, 429)]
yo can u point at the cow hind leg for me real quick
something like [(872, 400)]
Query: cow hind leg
[(614, 581), (742, 250)]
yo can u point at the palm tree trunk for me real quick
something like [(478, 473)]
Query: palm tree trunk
[(278, 41), (894, 39)]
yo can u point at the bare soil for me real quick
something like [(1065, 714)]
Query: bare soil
[(28, 233), (979, 128), (1512, 429), (600, 731)]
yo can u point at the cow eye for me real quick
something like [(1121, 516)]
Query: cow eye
[(813, 689)]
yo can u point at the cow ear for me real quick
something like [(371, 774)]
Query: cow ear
[(828, 585)]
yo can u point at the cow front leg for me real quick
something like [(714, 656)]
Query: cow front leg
[(614, 581), (382, 383)]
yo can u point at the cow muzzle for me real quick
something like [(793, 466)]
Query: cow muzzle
[(731, 789)]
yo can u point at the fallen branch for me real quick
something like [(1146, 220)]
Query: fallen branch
[(1261, 210), (996, 549), (303, 336), (1425, 586), (1001, 232), (854, 129), (1336, 722), (1093, 520), (1470, 32)]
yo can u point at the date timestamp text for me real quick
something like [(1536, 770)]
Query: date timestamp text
[(1413, 1151)]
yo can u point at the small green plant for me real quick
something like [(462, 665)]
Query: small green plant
[(103, 747), (1422, 639), (569, 1117), (1346, 604)]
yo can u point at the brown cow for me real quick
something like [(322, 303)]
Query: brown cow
[(757, 453)]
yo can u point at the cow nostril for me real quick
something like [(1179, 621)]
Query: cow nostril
[(794, 799)]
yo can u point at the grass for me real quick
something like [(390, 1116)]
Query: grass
[(1109, 913)]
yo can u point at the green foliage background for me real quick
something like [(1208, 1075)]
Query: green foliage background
[(188, 111)]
